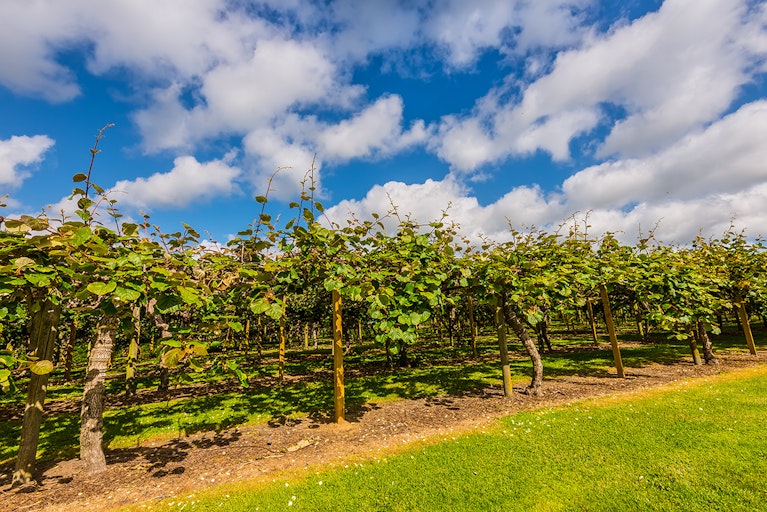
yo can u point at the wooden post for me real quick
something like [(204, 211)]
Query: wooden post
[(745, 323), (592, 322), (611, 331), (338, 359), (70, 349), (282, 346), (472, 328), (133, 351), (500, 322), (260, 337)]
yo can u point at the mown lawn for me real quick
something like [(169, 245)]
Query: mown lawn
[(700, 445)]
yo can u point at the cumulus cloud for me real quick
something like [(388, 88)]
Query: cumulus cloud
[(375, 130), (698, 185), (295, 144), (726, 157), (19, 152), (465, 29), (188, 182), (277, 79), (279, 164), (669, 71)]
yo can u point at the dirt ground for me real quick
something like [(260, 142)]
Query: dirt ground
[(152, 472)]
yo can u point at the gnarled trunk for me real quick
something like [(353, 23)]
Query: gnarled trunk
[(542, 331), (519, 329), (705, 342), (92, 413), (694, 349), (43, 332)]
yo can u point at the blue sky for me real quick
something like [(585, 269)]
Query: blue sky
[(635, 113)]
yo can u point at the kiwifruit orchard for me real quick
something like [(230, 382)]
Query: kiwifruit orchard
[(127, 347)]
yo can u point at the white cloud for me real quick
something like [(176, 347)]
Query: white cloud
[(19, 152), (364, 28), (296, 143), (375, 130), (465, 29), (554, 133), (697, 185), (670, 71), (727, 157), (188, 182), (249, 95), (280, 75), (27, 62), (270, 152), (283, 85), (424, 202), (465, 144)]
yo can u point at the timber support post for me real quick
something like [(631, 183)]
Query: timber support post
[(500, 322), (743, 314), (338, 360), (611, 331)]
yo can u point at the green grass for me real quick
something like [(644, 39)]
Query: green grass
[(697, 446)]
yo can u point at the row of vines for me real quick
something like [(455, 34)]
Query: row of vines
[(127, 279)]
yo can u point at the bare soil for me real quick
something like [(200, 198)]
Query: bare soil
[(178, 467)]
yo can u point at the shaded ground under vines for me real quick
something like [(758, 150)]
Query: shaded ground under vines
[(178, 467)]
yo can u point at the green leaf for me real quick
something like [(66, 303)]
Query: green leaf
[(275, 311), (416, 318), (38, 279), (100, 288), (81, 236), (197, 349), (171, 358), (41, 367), (331, 285), (259, 306), (261, 199), (35, 223), (15, 226), (135, 259), (77, 178), (127, 294), (168, 302), (172, 343), (236, 326), (189, 295), (23, 262), (130, 229), (84, 203), (242, 377)]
